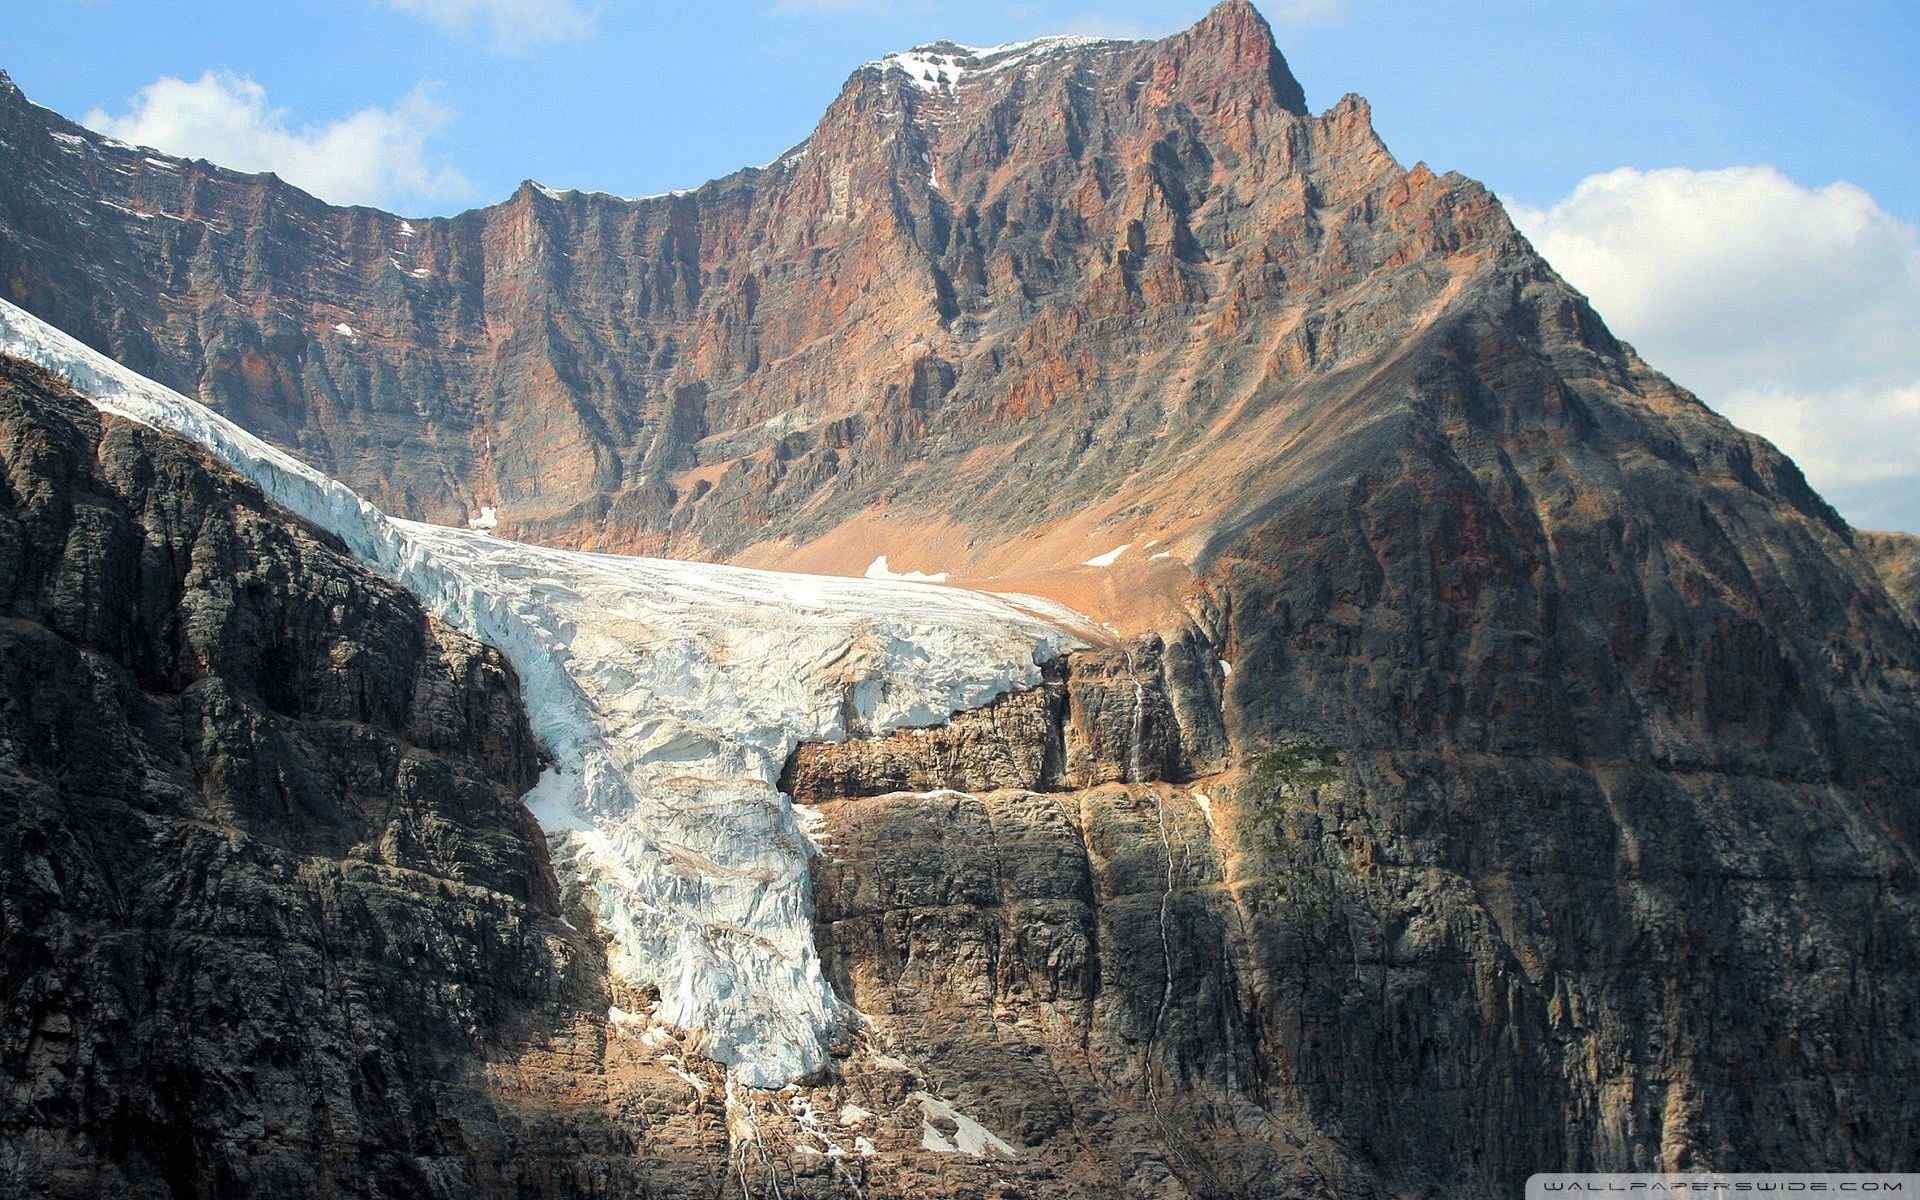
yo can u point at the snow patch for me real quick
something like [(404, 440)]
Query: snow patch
[(67, 139), (941, 66), (1206, 806), (345, 330), (563, 193), (134, 212), (488, 518), (406, 229), (971, 1138), (1109, 558), (878, 569), (1159, 556), (1226, 668), (667, 696)]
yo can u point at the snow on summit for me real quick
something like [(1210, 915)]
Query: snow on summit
[(940, 66), (668, 696)]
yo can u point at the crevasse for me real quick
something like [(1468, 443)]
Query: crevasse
[(668, 695)]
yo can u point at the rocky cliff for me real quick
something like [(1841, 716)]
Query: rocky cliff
[(1516, 765), (1896, 556), (273, 905)]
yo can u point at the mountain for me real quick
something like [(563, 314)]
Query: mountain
[(1062, 290), (1501, 762)]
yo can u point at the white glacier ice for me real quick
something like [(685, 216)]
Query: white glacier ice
[(668, 695)]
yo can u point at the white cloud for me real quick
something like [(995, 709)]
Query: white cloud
[(511, 25), (374, 156), (1793, 310)]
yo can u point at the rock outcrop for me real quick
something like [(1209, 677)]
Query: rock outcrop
[(1131, 714), (1896, 556)]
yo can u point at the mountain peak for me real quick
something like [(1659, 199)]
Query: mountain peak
[(1240, 37), (1233, 36)]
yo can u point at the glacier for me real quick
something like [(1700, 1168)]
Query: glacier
[(667, 695)]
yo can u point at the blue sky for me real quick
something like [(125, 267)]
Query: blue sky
[(1746, 133)]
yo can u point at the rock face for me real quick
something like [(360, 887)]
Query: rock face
[(1516, 769), (1896, 556), (269, 875), (1102, 716), (274, 921)]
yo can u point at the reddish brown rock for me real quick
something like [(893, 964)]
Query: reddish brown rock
[(1896, 556), (972, 308)]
